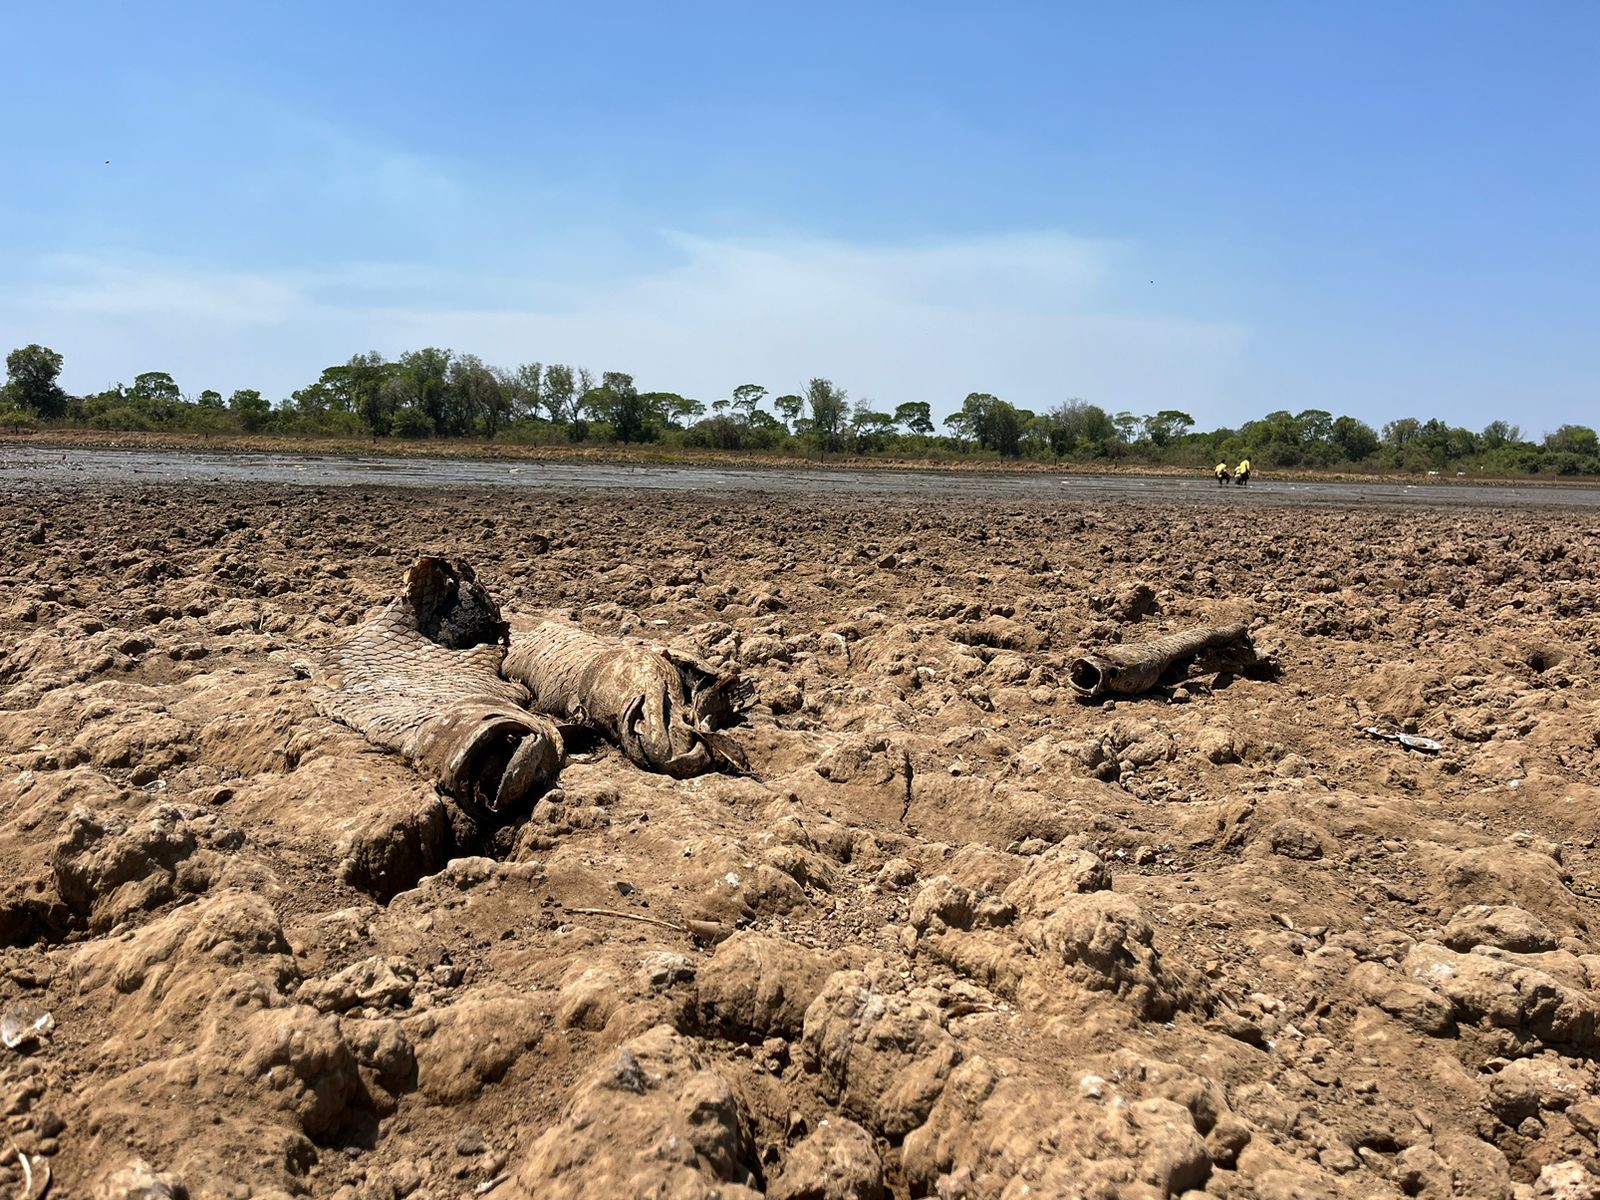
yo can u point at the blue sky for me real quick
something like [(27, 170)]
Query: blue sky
[(1380, 209)]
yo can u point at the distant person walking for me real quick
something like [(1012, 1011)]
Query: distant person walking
[(1222, 474), (1241, 474)]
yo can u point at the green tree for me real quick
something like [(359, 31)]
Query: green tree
[(409, 420), (828, 411), (1573, 439), (1402, 432), (423, 377), (871, 430), (718, 432), (95, 407), (915, 417), (154, 386), (370, 390), (592, 405), (480, 399), (155, 394), (747, 397), (1499, 433), (31, 374), (18, 419), (1275, 439), (619, 402), (1432, 443), (1316, 426), (527, 391), (334, 391), (312, 400), (251, 408), (1352, 440), (1010, 424), (1460, 443), (561, 393), (789, 407), (1078, 427), (210, 399), (969, 422), (764, 431), (1565, 463), (1166, 425), (676, 410), (992, 423)]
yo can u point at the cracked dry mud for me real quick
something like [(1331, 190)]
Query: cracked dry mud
[(986, 941)]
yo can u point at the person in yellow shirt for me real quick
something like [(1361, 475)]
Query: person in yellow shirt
[(1222, 473), (1241, 474)]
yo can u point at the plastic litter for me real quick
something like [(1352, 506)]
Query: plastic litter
[(24, 1023), (1410, 741)]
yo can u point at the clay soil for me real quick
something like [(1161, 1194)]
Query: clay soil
[(957, 935)]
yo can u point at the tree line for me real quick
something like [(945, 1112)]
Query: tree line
[(434, 393)]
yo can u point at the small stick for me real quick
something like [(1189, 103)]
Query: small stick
[(675, 926)]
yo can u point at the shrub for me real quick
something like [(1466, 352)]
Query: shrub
[(121, 418), (412, 422)]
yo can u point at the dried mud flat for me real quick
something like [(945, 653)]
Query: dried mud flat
[(983, 940)]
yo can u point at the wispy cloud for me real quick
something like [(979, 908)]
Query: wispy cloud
[(1026, 316), (331, 176), (81, 287)]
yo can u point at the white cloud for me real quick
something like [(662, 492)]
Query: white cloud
[(85, 288), (1025, 316)]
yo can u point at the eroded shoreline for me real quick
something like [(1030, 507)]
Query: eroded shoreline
[(27, 467)]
